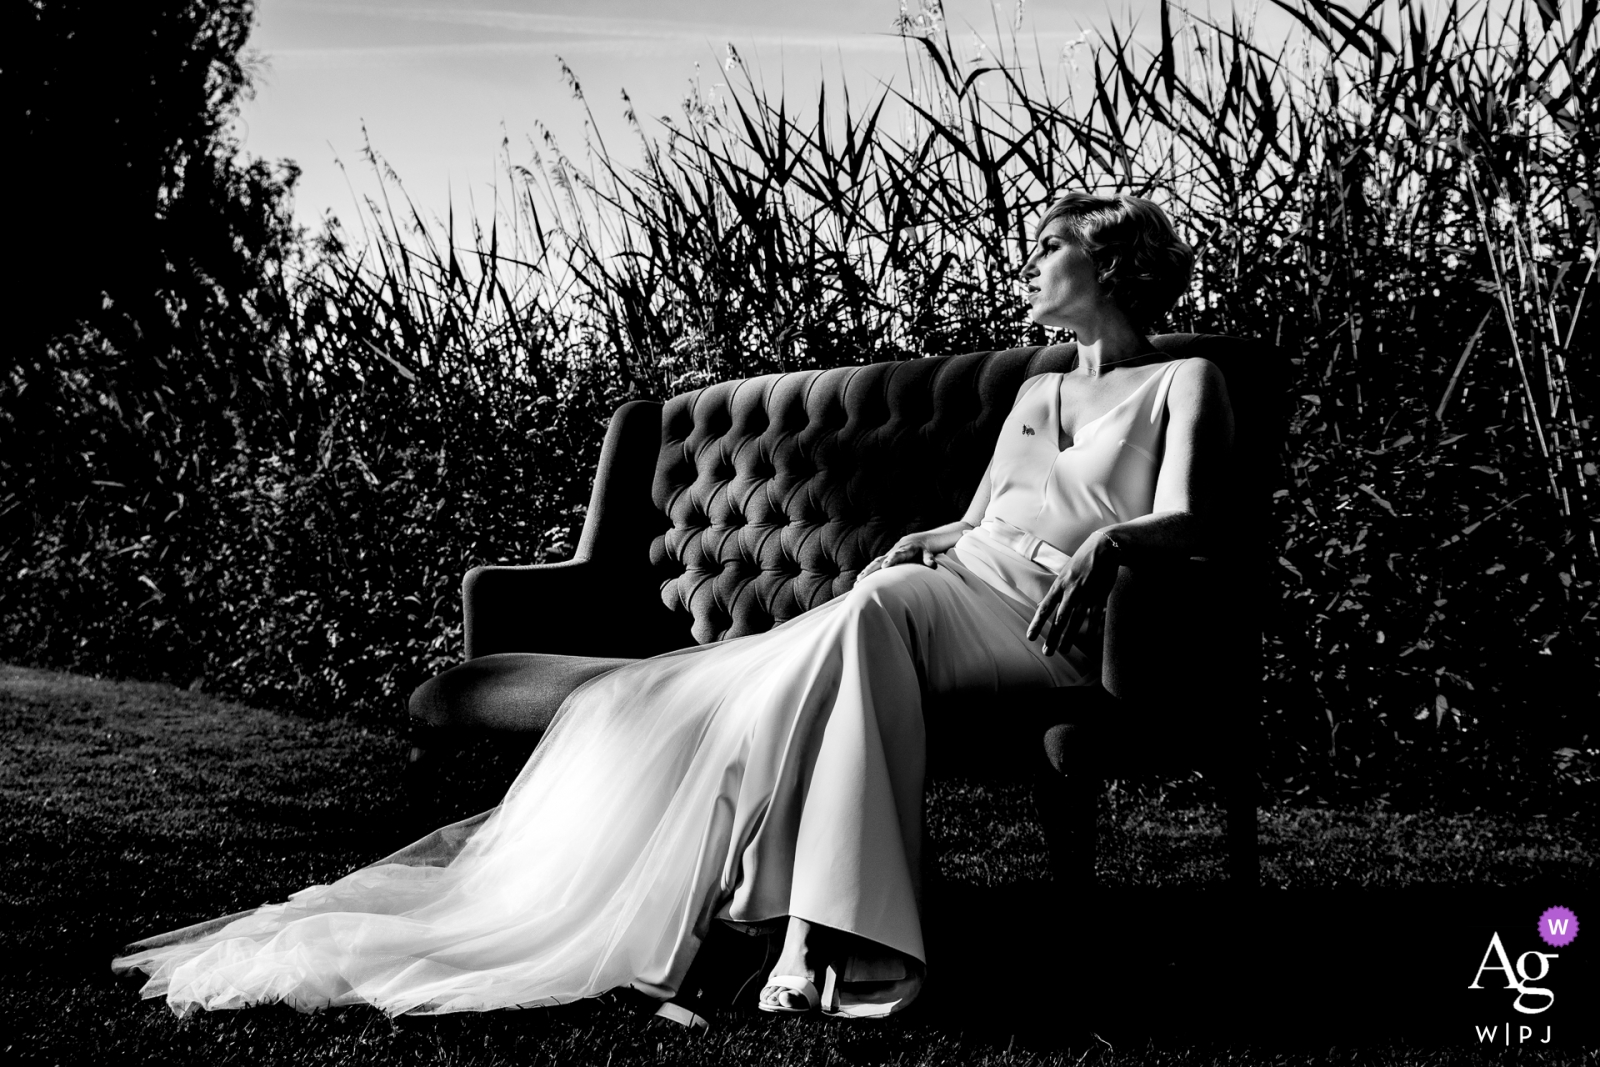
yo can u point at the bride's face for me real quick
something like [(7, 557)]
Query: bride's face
[(1061, 281)]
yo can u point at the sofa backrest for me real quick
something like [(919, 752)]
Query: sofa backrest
[(779, 489)]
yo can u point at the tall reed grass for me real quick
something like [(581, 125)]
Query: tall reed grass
[(1403, 202)]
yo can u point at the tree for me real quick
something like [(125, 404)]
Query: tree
[(152, 300)]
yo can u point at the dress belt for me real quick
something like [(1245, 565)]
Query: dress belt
[(1025, 544)]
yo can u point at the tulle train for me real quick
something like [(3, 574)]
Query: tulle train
[(766, 776)]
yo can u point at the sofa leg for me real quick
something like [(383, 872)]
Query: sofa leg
[(1244, 850), (431, 748), (1068, 805)]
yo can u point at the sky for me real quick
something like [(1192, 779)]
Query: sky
[(436, 85)]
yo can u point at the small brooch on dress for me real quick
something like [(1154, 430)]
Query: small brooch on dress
[(1027, 431)]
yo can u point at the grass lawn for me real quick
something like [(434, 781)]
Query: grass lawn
[(133, 808)]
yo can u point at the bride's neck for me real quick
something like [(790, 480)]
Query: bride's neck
[(1108, 344)]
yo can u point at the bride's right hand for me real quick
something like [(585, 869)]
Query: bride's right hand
[(912, 548)]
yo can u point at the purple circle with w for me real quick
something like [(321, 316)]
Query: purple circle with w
[(1558, 926)]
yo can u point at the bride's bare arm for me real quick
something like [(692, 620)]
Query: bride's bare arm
[(923, 546), (1188, 489), (1199, 435)]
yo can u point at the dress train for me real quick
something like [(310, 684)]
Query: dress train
[(772, 775)]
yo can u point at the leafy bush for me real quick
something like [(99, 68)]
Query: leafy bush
[(1405, 207), (149, 345)]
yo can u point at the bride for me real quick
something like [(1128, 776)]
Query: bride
[(778, 778)]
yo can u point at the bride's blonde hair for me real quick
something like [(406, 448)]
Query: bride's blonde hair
[(1142, 263)]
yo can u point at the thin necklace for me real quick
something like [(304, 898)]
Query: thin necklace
[(1113, 362)]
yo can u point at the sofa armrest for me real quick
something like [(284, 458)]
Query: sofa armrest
[(1183, 643), (576, 608), (604, 601), (537, 608)]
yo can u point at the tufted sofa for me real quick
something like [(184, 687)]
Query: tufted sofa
[(732, 508)]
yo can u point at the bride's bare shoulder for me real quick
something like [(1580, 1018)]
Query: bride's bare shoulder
[(1196, 374), (1198, 387), (1034, 381)]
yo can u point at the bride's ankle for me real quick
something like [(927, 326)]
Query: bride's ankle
[(805, 948)]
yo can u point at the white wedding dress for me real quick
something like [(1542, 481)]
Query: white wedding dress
[(771, 775)]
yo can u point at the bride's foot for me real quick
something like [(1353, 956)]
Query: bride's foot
[(802, 958)]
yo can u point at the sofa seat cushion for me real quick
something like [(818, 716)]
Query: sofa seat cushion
[(982, 733), (515, 691)]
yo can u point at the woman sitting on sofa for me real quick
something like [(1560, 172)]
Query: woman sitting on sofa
[(778, 778)]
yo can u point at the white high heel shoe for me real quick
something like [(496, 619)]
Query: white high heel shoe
[(795, 984), (872, 999)]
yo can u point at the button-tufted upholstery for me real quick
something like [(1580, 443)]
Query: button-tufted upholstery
[(779, 489), (737, 506)]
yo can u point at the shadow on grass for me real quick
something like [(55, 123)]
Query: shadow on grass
[(136, 808)]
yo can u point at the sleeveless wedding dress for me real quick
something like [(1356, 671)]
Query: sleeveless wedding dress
[(771, 775)]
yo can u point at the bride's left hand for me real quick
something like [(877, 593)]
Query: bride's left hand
[(1077, 591)]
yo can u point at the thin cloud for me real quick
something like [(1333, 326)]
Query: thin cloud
[(578, 33)]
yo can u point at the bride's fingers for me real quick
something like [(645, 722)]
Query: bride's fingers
[(1060, 634), (1041, 613), (896, 555), (1067, 617), (1049, 607), (1052, 639), (1074, 625)]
